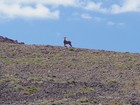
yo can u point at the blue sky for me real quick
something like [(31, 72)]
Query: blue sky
[(112, 25)]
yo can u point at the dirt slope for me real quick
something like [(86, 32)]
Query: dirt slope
[(53, 75)]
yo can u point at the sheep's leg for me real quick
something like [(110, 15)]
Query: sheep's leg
[(65, 45), (70, 45)]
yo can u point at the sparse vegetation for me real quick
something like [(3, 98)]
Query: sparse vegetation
[(71, 81), (30, 90), (47, 75), (84, 100), (111, 81), (71, 49), (86, 90)]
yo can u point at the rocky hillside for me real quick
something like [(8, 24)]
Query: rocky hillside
[(53, 75), (7, 40)]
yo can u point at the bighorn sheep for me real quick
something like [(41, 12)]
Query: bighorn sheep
[(67, 42)]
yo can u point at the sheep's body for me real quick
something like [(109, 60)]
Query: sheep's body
[(67, 42)]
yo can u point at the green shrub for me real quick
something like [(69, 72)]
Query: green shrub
[(86, 90), (111, 81), (31, 90), (71, 82), (71, 49)]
